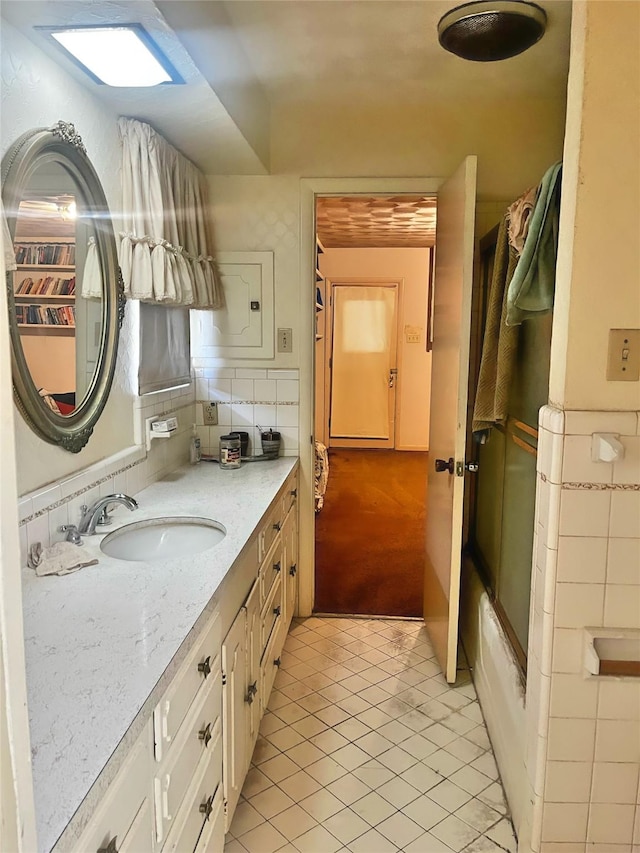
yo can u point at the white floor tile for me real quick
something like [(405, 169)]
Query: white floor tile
[(373, 808), (293, 822), (366, 749)]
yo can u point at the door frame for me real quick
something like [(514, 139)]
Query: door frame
[(329, 308), (310, 190)]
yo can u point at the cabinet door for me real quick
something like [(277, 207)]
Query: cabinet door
[(234, 712), (290, 563), (254, 653), (212, 837)]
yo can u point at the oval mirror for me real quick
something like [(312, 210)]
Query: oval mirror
[(65, 295)]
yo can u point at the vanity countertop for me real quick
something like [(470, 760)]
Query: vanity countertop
[(102, 644)]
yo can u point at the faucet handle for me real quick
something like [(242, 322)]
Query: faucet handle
[(104, 518), (72, 533)]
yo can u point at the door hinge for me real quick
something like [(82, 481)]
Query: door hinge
[(224, 678), (226, 807), (330, 363)]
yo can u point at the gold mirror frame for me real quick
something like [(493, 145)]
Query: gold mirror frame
[(62, 144)]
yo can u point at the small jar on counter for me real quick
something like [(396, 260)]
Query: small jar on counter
[(230, 451)]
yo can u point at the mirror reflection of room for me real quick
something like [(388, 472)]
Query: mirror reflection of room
[(59, 329)]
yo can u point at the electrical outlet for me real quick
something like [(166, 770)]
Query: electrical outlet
[(210, 413), (285, 340)]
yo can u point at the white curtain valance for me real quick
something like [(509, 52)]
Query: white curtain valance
[(165, 250)]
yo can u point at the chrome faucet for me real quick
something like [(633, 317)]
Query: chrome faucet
[(97, 514)]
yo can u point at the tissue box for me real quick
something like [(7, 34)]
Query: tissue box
[(166, 425)]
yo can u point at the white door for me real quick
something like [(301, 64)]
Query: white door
[(447, 432), (363, 365)]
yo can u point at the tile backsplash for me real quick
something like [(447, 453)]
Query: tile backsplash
[(583, 743), (248, 398)]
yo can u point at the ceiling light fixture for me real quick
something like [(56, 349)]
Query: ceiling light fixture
[(115, 55), (488, 31)]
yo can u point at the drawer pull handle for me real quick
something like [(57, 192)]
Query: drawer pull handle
[(277, 610), (294, 493), (252, 689), (277, 525), (206, 808), (277, 662), (205, 666), (293, 570), (277, 567), (111, 846), (205, 734)]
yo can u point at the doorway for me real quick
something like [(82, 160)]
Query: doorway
[(372, 368)]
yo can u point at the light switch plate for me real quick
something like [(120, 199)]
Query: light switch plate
[(623, 363), (285, 340), (210, 413)]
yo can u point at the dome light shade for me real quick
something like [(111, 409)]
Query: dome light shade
[(489, 31)]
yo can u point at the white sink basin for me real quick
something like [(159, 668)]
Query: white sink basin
[(163, 538)]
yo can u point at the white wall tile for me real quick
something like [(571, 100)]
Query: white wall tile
[(46, 497), (265, 415), (219, 389), (585, 513), (625, 514), (627, 470), (251, 373), (283, 374), (610, 824), (585, 423), (619, 699), (550, 454), (552, 419), (38, 531), (242, 414), (622, 606), (582, 559), (287, 416), (618, 740), (568, 782), (564, 822), (614, 783), (579, 605), (265, 390), (242, 389), (567, 650), (571, 739), (623, 561), (57, 517), (577, 466), (573, 696), (288, 391)]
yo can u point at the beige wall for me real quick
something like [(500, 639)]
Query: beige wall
[(37, 93), (516, 141), (411, 266), (52, 362), (598, 282)]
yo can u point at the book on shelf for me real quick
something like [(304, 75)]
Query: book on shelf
[(47, 286), (53, 254), (46, 315)]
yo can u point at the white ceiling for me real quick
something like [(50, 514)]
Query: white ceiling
[(242, 58)]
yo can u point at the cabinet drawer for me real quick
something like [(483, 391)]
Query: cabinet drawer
[(125, 797), (199, 736), (290, 495), (212, 836), (271, 615), (202, 664), (140, 836), (270, 529), (200, 797), (270, 570)]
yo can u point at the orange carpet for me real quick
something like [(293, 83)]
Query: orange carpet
[(370, 534)]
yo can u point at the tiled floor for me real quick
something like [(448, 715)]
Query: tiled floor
[(365, 748)]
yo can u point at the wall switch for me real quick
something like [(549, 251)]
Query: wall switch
[(285, 340), (210, 413), (623, 364), (413, 334)]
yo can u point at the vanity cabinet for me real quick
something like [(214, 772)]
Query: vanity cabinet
[(178, 787)]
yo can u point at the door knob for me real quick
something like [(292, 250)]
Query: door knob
[(442, 466)]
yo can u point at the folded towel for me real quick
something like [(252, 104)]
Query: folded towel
[(531, 290), (321, 473), (60, 559)]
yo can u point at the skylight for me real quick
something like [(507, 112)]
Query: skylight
[(121, 56)]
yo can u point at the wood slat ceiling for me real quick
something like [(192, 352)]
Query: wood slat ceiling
[(347, 222)]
